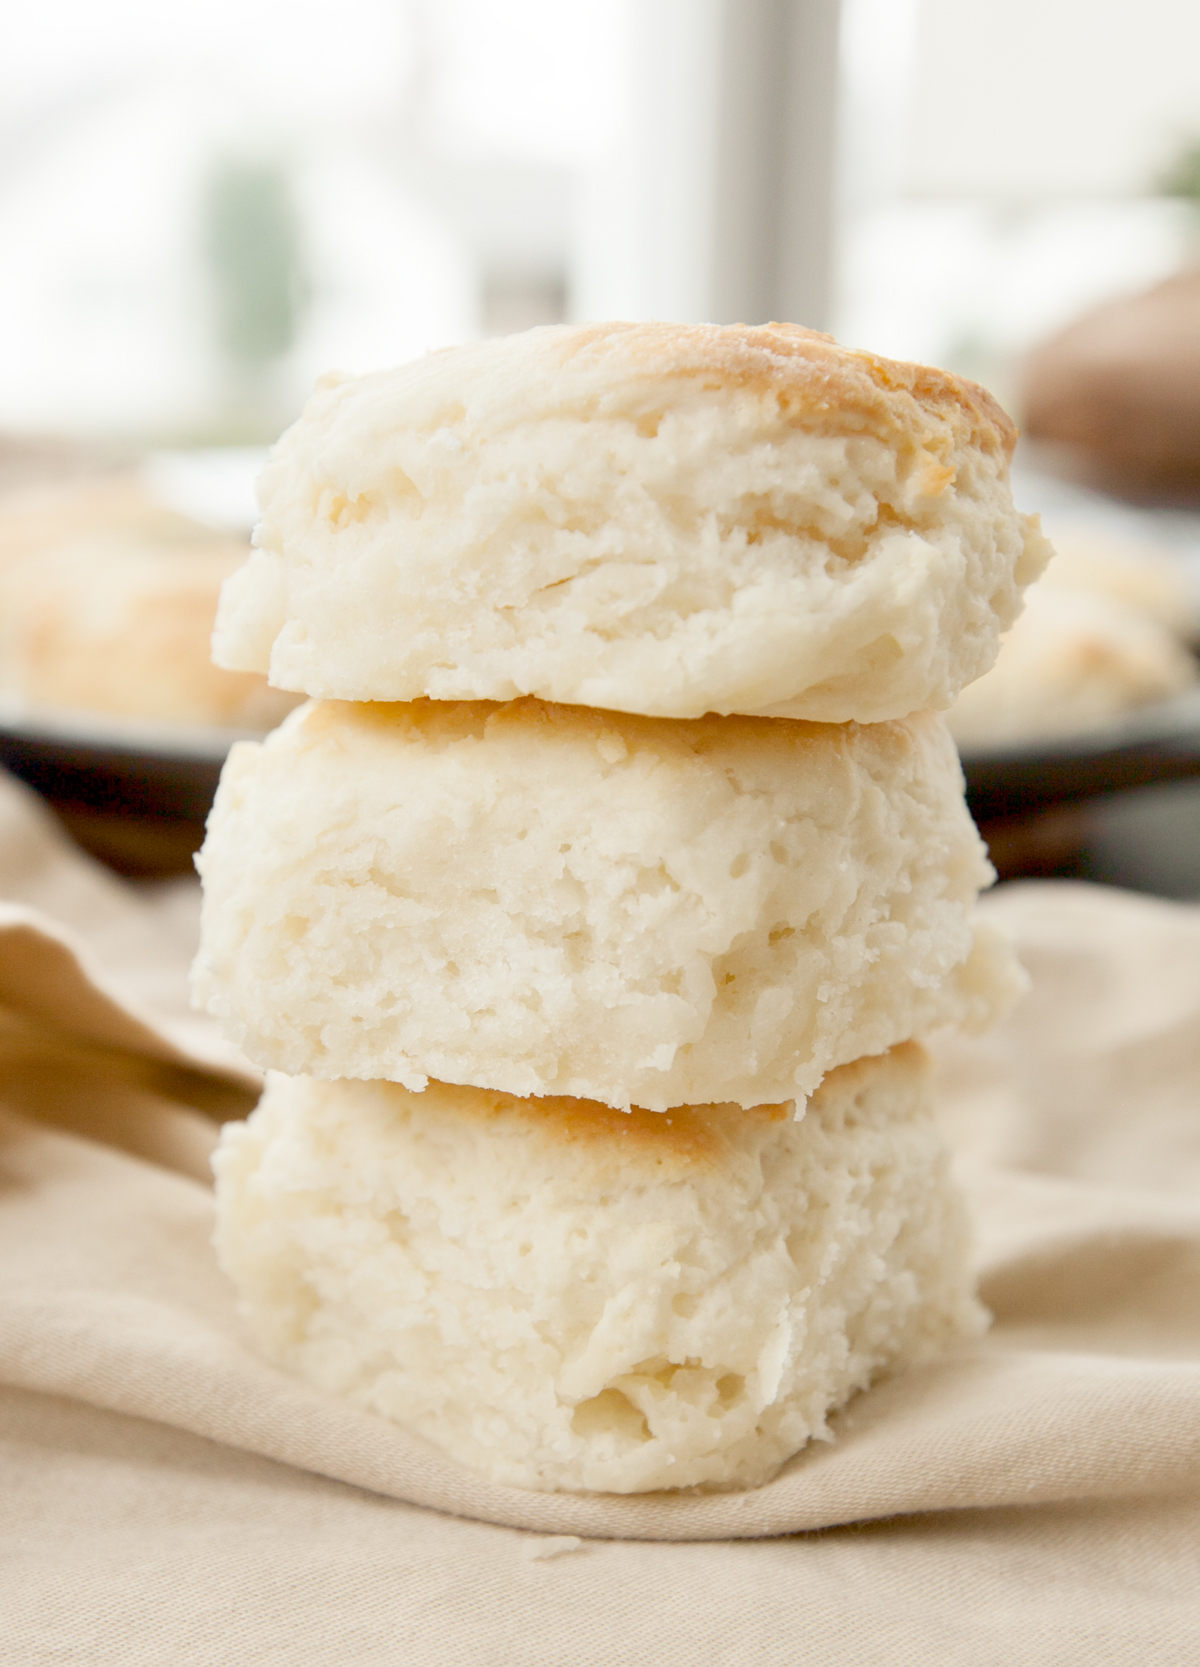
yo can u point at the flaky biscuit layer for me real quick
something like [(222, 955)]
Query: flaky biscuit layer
[(651, 518), (564, 1296), (553, 900)]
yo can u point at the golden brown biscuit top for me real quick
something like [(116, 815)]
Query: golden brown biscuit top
[(812, 373)]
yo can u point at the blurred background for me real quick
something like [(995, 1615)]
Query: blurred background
[(203, 209)]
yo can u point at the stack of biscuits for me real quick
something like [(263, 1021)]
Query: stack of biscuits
[(589, 915)]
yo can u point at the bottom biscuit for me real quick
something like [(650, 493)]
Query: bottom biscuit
[(564, 1296)]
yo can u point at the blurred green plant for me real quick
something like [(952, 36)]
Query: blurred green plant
[(1181, 176), (254, 250)]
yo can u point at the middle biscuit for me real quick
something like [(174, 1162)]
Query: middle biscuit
[(551, 900)]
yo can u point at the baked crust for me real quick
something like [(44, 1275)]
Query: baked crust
[(838, 389)]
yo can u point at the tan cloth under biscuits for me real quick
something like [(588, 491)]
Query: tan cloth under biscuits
[(1057, 1464)]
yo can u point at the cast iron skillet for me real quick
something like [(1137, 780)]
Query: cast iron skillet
[(1159, 743), (115, 766)]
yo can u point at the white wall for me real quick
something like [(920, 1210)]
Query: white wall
[(1032, 99)]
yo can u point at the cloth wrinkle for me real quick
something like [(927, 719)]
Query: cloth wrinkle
[(1082, 1404)]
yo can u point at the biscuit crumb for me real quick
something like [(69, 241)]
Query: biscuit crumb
[(557, 1545)]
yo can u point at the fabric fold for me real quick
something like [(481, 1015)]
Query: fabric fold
[(1087, 1388), (119, 1303)]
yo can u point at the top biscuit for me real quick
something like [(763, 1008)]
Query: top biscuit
[(651, 518)]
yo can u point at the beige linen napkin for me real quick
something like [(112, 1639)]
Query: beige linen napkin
[(119, 1346)]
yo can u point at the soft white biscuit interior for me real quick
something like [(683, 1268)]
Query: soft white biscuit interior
[(551, 900), (596, 519), (564, 1296)]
